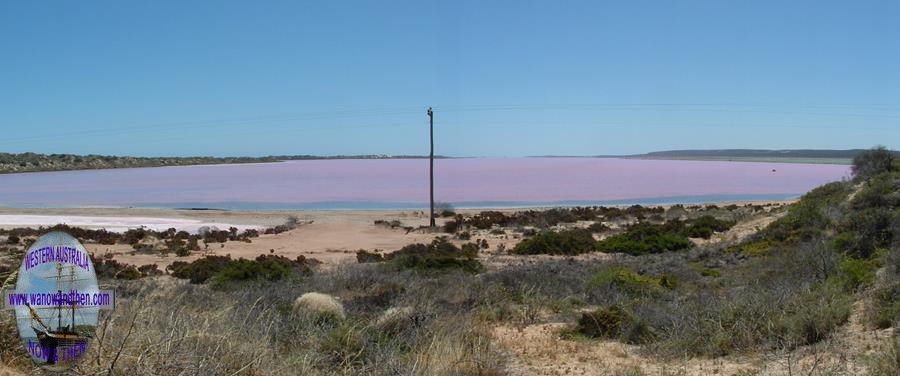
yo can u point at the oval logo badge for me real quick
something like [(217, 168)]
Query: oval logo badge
[(57, 301)]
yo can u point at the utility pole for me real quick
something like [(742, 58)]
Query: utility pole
[(431, 165)]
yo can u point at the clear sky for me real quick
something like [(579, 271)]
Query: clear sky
[(506, 78)]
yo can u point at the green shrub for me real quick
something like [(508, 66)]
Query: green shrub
[(201, 269), (856, 273), (182, 252), (606, 322), (488, 219), (710, 273), (597, 227), (880, 192), (267, 267), (865, 231), (451, 226), (223, 269), (642, 238), (615, 322), (813, 316), (626, 280), (568, 242), (364, 256), (129, 272), (471, 249), (705, 226), (149, 270), (437, 256), (756, 247), (109, 268), (886, 306), (872, 162), (805, 219), (345, 344)]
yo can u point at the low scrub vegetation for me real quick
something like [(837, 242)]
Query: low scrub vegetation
[(643, 238), (439, 255), (626, 280), (638, 239), (220, 270), (569, 242)]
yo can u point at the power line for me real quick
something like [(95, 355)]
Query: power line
[(291, 119)]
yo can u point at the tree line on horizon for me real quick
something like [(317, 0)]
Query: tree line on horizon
[(34, 162)]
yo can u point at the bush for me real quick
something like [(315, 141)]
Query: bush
[(364, 256), (705, 226), (182, 252), (323, 306), (451, 226), (109, 268), (754, 246), (268, 267), (200, 270), (444, 209), (815, 315), (642, 239), (439, 255), (806, 219), (886, 301), (884, 310), (856, 273), (872, 162), (488, 219), (615, 322), (606, 322), (626, 280), (149, 270), (597, 227), (882, 191), (865, 231), (710, 273), (568, 242), (223, 269)]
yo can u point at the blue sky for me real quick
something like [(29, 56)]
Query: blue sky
[(506, 78)]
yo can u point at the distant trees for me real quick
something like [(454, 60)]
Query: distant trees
[(872, 162)]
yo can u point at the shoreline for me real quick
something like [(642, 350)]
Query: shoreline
[(347, 206), (105, 217), (330, 236)]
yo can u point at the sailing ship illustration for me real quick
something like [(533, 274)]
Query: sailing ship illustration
[(65, 342)]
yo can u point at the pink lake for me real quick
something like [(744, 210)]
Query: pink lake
[(403, 183)]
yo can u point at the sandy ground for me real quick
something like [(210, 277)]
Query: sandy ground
[(329, 236), (541, 349)]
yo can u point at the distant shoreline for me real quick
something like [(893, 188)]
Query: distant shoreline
[(34, 162), (834, 161)]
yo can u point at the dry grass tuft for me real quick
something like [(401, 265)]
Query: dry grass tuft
[(319, 304)]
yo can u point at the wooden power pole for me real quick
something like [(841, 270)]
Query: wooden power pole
[(431, 165)]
